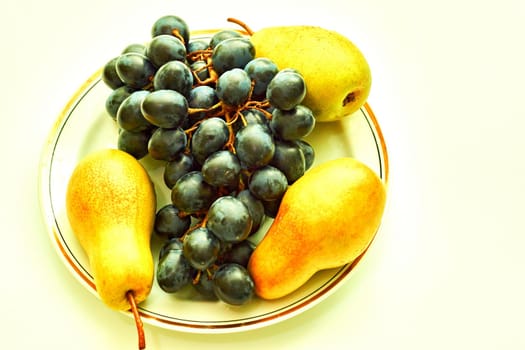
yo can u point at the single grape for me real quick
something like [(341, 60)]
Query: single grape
[(164, 48), (136, 48), (233, 284), (135, 70), (232, 53), (223, 35), (166, 144), (286, 90), (233, 87), (194, 46), (171, 244), (289, 158), (222, 169), (205, 287), (254, 146), (165, 108), (170, 24), (110, 76), (191, 194), (225, 247), (293, 124), (252, 115), (174, 272), (229, 219), (238, 253), (271, 207), (308, 151), (261, 70), (211, 136), (268, 183), (201, 97), (174, 75), (200, 69), (134, 143), (129, 113), (180, 165), (255, 208), (169, 223), (115, 99), (201, 248)]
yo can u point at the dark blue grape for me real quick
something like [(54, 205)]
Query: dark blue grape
[(251, 116), (232, 53), (289, 158), (233, 284), (261, 70), (110, 76), (268, 183), (286, 90), (115, 99), (165, 108), (166, 144), (223, 35), (135, 48), (254, 146), (134, 143), (205, 287), (222, 169), (129, 114), (174, 75), (233, 87), (211, 136), (170, 23), (201, 97), (308, 151), (229, 219), (174, 272), (293, 124), (238, 253), (201, 248), (164, 48), (182, 164), (135, 70), (271, 207), (254, 116), (171, 244), (191, 194), (169, 222), (255, 208), (194, 46), (200, 69)]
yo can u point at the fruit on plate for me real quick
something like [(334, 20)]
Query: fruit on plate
[(230, 129), (110, 204), (336, 72), (327, 219)]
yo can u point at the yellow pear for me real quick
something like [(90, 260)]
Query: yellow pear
[(327, 219), (337, 75), (110, 204)]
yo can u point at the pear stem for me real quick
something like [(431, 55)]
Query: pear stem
[(138, 321), (242, 24)]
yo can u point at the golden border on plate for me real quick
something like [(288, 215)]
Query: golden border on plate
[(218, 327)]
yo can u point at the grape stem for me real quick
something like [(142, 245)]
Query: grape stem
[(241, 24), (138, 321), (177, 34), (197, 277)]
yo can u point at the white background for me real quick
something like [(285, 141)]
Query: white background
[(447, 270)]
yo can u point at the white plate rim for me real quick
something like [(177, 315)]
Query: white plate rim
[(83, 276)]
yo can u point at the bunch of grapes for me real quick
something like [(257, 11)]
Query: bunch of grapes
[(230, 128)]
